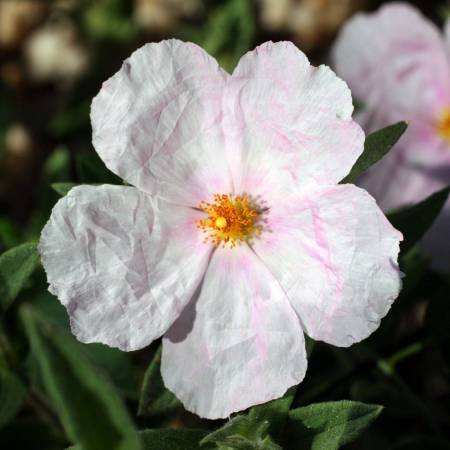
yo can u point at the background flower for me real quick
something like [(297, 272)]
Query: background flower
[(397, 64)]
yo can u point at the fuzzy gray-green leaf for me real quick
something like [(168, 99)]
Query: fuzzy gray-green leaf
[(16, 265), (376, 146), (329, 425)]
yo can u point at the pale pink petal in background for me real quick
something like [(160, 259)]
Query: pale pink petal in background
[(394, 59), (397, 64)]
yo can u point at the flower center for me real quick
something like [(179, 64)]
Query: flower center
[(443, 124), (231, 219)]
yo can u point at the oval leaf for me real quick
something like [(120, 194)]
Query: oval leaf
[(329, 425), (12, 394), (275, 413), (171, 439), (414, 221), (16, 265), (377, 144), (167, 439), (62, 188), (156, 399), (89, 408)]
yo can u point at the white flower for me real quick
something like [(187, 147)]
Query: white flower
[(235, 237)]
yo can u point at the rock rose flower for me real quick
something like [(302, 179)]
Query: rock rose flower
[(398, 64), (234, 237)]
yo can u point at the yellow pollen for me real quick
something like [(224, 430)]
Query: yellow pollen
[(443, 124), (221, 222), (230, 219)]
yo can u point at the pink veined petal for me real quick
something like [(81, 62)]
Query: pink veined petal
[(409, 173), (397, 63), (293, 80), (156, 123), (238, 344), (123, 265), (294, 111), (335, 255), (395, 60)]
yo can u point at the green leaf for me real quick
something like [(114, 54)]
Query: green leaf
[(171, 439), (156, 399), (414, 221), (10, 236), (275, 413), (256, 429), (109, 20), (329, 425), (167, 439), (89, 408), (57, 165), (114, 362), (229, 32), (377, 144), (437, 318), (242, 443), (241, 433), (16, 265), (237, 426), (12, 394), (414, 265), (69, 120), (62, 188), (309, 345), (92, 170)]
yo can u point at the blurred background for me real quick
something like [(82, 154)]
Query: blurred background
[(54, 56)]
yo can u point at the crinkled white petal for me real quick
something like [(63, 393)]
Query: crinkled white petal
[(123, 265), (239, 343), (286, 76), (335, 255), (296, 111), (156, 122)]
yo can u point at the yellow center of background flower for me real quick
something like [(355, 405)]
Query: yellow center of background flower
[(231, 219), (443, 124)]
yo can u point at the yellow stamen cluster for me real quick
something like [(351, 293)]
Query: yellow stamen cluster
[(443, 124), (231, 219)]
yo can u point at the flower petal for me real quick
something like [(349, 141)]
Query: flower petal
[(447, 35), (296, 110), (335, 255), (238, 344), (394, 59), (122, 264), (155, 122), (293, 80), (409, 173)]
